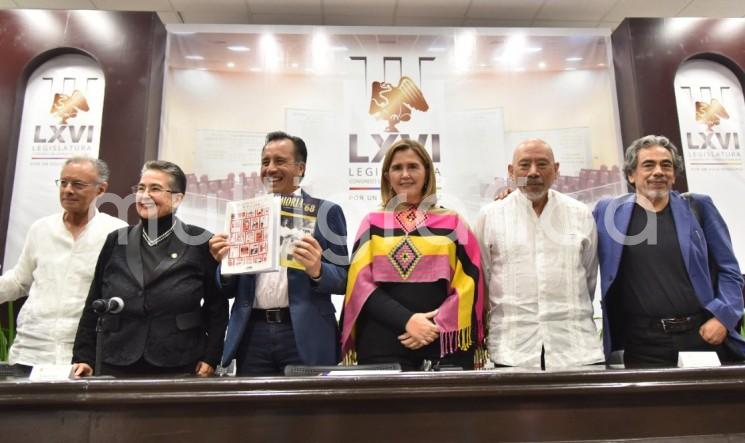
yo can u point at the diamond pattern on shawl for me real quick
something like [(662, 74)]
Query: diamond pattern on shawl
[(404, 257)]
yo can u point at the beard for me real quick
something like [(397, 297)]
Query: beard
[(534, 195), (655, 194)]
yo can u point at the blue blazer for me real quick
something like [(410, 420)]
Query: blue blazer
[(313, 314), (612, 217)]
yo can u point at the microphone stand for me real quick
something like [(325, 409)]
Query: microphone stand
[(99, 344), (101, 307)]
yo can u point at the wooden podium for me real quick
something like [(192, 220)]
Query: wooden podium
[(414, 407)]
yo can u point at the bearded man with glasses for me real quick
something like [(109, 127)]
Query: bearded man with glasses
[(56, 266)]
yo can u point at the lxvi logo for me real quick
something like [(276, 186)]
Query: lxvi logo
[(710, 115), (63, 134), (713, 140), (384, 143), (393, 104), (66, 107), (711, 135)]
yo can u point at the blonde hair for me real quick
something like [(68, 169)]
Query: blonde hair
[(430, 183)]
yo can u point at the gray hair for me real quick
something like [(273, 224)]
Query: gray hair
[(178, 178), (102, 169), (631, 157)]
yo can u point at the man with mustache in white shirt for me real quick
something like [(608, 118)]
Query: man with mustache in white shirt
[(56, 266), (540, 259)]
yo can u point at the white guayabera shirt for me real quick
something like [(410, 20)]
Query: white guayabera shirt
[(541, 274), (55, 271)]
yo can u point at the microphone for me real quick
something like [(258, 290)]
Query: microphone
[(113, 305)]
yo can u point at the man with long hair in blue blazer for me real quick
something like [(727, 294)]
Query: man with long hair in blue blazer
[(669, 277)]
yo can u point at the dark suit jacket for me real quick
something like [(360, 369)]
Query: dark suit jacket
[(162, 320), (697, 244), (311, 310)]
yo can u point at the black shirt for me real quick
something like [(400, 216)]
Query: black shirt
[(653, 278), (153, 255), (385, 314)]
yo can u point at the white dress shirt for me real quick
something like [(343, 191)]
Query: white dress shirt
[(271, 290), (271, 287), (55, 271), (541, 273)]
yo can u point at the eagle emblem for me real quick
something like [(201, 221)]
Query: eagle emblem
[(394, 104), (710, 113), (67, 106)]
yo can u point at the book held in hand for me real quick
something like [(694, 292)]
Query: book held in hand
[(297, 219), (253, 233)]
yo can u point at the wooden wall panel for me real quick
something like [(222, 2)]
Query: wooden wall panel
[(647, 53), (129, 47)]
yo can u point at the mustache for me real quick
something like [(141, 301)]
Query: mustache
[(525, 181)]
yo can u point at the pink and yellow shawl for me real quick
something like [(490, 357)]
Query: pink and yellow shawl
[(415, 246)]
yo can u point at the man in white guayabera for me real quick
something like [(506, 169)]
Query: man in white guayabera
[(56, 266), (540, 260), (669, 278)]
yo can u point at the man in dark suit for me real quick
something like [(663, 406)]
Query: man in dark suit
[(286, 317), (670, 281), (174, 317)]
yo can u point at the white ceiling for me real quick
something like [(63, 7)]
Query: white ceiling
[(509, 13)]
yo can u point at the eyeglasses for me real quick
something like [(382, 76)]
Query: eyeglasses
[(76, 184), (152, 190)]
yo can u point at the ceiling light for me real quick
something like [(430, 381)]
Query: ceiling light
[(271, 52), (513, 50), (194, 57), (574, 59), (542, 65), (230, 65), (601, 65), (570, 69), (239, 48), (294, 65), (464, 50), (320, 51), (534, 49), (437, 49)]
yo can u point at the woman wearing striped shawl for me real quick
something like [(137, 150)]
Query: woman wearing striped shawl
[(415, 289)]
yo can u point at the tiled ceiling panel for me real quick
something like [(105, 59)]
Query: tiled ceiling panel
[(574, 10), (133, 5), (645, 8), (507, 9), (715, 8), (379, 8), (55, 4), (433, 8), (287, 7)]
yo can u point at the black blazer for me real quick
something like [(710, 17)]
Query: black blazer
[(163, 321)]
